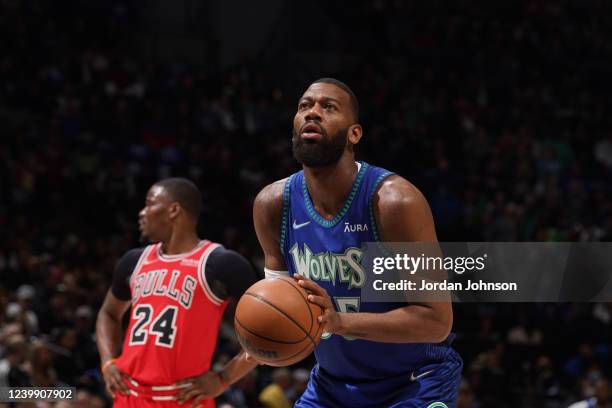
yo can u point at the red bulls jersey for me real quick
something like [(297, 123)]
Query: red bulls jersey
[(174, 319)]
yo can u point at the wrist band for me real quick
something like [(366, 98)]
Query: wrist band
[(107, 364)]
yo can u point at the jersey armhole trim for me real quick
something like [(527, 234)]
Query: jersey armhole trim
[(379, 180), (143, 256), (285, 213), (211, 246)]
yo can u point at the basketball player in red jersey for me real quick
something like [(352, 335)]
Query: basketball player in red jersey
[(178, 289)]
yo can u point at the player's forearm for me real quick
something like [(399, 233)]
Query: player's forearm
[(237, 368), (108, 336), (409, 324)]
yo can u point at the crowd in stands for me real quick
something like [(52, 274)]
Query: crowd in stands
[(500, 115)]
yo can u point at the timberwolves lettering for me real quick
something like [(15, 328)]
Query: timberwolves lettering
[(328, 266)]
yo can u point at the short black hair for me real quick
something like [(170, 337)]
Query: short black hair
[(345, 88), (184, 192)]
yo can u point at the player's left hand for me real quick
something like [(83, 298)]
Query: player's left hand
[(207, 385), (317, 295)]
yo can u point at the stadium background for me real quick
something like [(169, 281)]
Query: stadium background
[(498, 113)]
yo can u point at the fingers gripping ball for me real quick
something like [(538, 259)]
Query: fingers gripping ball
[(275, 322)]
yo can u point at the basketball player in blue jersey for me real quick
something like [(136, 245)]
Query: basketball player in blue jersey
[(372, 354)]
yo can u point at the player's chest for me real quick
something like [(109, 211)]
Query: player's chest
[(165, 283)]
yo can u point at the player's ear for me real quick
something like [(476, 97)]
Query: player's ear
[(173, 210), (354, 133)]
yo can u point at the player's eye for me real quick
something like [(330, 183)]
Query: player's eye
[(330, 106), (303, 105)]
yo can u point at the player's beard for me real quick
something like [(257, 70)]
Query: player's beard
[(322, 153)]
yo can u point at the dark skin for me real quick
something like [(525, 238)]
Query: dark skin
[(161, 220), (401, 212)]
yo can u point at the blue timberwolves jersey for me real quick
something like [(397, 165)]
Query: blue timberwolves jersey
[(329, 252)]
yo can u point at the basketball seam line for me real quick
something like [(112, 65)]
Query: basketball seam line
[(305, 300), (264, 300), (267, 338), (293, 355)]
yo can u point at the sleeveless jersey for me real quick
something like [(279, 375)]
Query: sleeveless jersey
[(329, 252), (174, 319)]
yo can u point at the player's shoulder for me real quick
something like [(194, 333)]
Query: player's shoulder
[(395, 191), (219, 252), (132, 254), (272, 193), (126, 265), (135, 251), (269, 201)]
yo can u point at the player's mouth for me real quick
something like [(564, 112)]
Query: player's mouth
[(311, 132)]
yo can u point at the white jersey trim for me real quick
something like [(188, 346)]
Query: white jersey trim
[(202, 275), (169, 387), (173, 258), (163, 397), (136, 270), (270, 273)]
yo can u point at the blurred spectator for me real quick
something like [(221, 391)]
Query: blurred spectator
[(85, 349), (522, 334), (67, 363), (491, 376), (466, 396), (603, 151), (300, 378), (22, 309), (40, 366), (546, 384), (12, 373), (275, 395), (599, 397), (244, 393)]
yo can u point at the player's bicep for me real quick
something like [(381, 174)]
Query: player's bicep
[(270, 243), (113, 306), (267, 220), (403, 215), (120, 287), (228, 273)]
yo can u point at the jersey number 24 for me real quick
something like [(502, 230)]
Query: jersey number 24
[(162, 326)]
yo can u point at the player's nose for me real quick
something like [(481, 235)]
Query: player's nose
[(314, 113)]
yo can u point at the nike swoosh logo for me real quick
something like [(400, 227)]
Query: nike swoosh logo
[(298, 226), (416, 377)]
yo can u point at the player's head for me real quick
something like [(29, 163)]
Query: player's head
[(326, 124), (170, 203)]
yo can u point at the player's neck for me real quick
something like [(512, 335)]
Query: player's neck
[(180, 242), (330, 186)]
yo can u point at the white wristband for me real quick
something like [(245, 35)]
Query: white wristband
[(273, 274)]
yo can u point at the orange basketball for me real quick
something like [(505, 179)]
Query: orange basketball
[(276, 323)]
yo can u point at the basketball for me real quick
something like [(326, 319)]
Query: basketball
[(276, 323)]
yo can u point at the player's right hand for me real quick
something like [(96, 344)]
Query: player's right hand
[(330, 318), (207, 385), (114, 380)]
